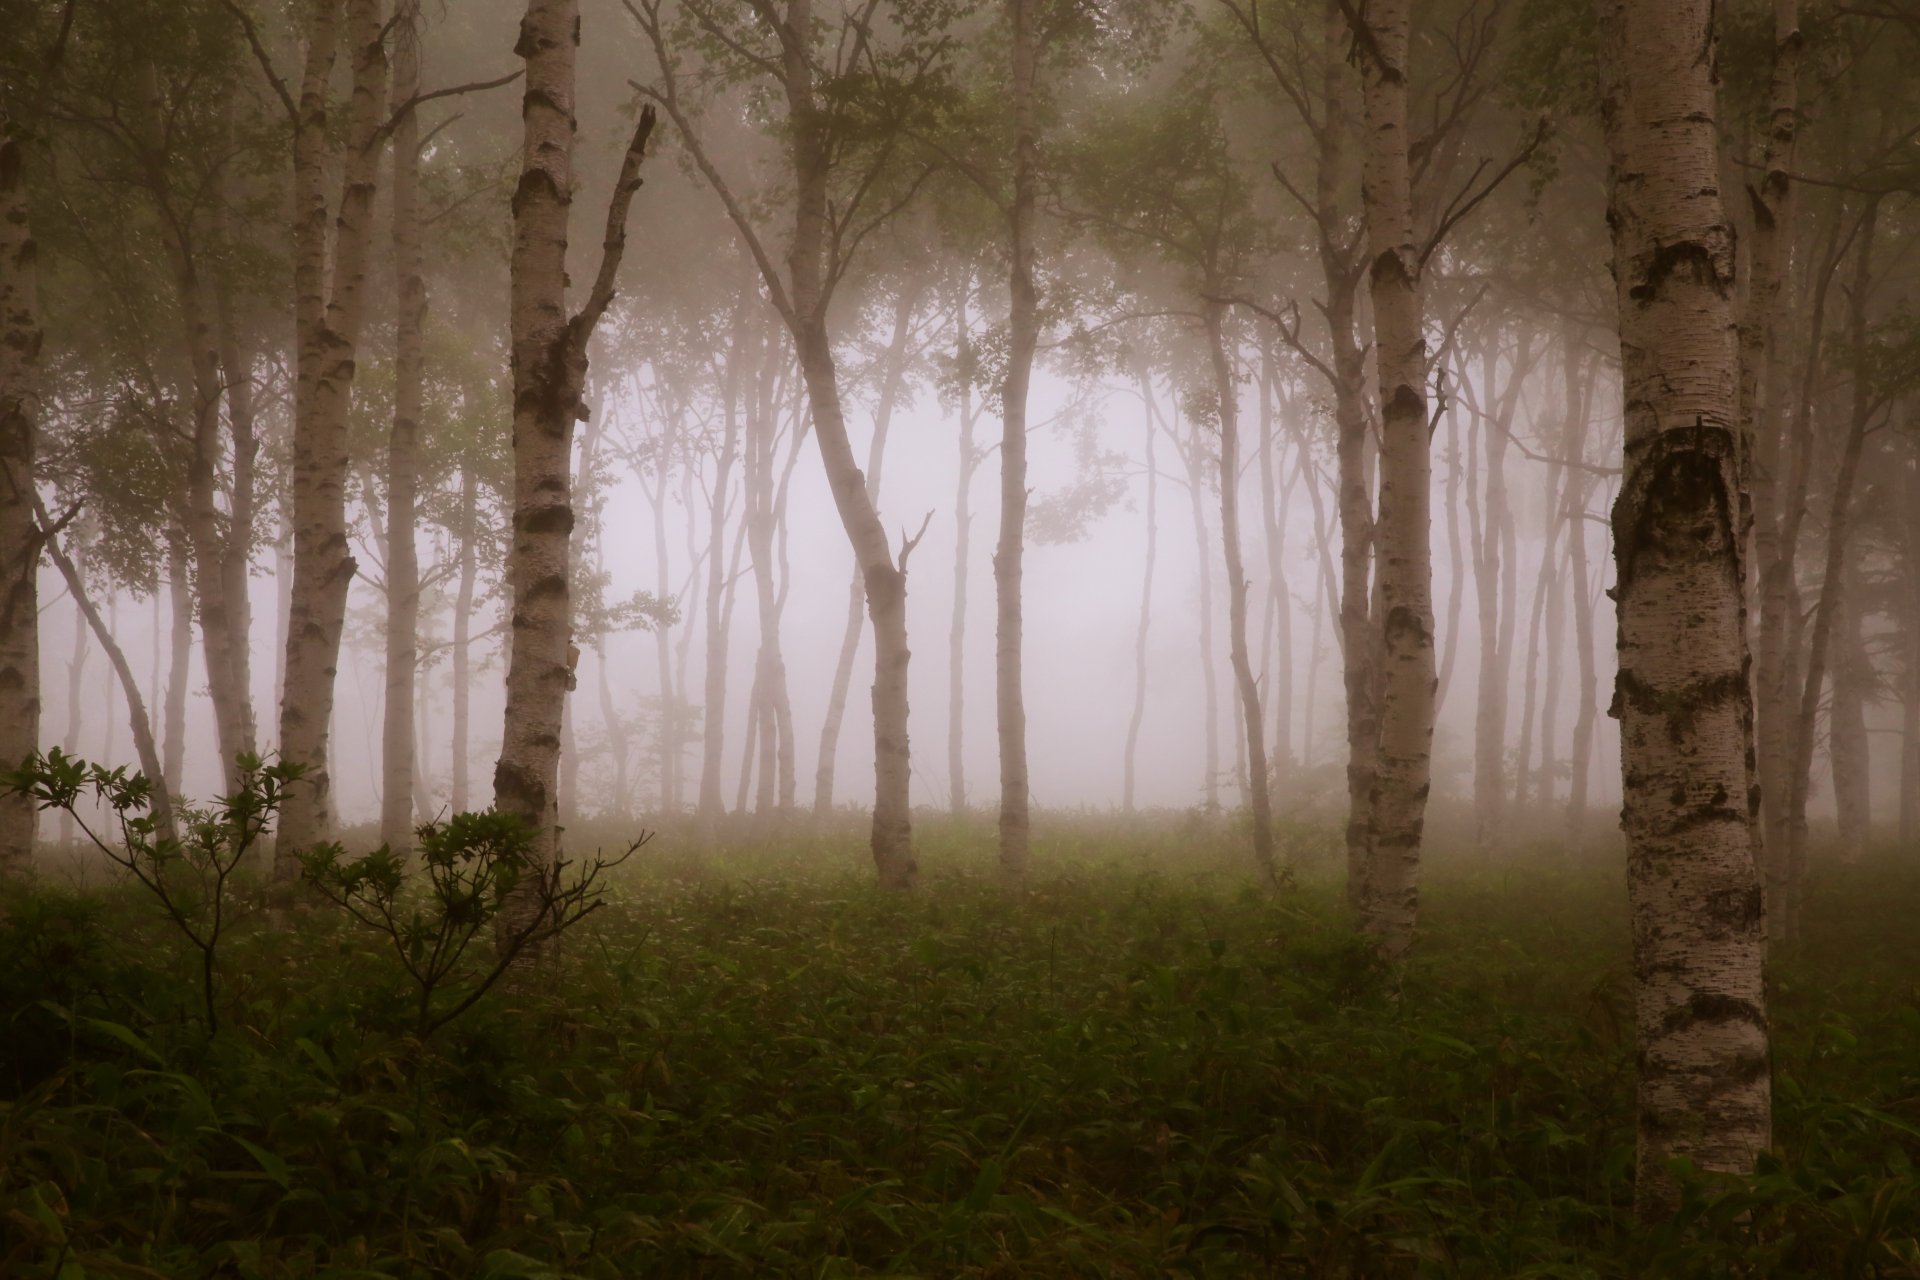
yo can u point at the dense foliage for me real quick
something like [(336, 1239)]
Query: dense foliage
[(758, 1063)]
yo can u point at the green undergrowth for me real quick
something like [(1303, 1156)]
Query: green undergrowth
[(758, 1064)]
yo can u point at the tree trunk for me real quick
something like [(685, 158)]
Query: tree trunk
[(549, 378), (77, 657), (1847, 742), (1227, 389), (403, 446), (1195, 452), (1909, 605), (462, 645), (1769, 242), (1682, 697), (173, 721), (892, 380), (1579, 400), (1403, 567), (148, 754), (1819, 641), (1146, 595), (327, 340), (1340, 266), (20, 337), (1456, 567), (962, 555), (713, 722), (1782, 618), (1009, 557)]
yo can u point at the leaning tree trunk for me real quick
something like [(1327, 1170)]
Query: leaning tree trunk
[(20, 337), (144, 748), (893, 380), (549, 379), (403, 446), (327, 332), (1228, 392), (1682, 693), (1009, 557), (1403, 570)]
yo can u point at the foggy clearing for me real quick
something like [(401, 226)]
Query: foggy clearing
[(959, 638)]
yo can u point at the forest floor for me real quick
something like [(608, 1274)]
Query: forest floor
[(759, 1064)]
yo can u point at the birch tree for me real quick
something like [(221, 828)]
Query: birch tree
[(1682, 693), (20, 339), (549, 382)]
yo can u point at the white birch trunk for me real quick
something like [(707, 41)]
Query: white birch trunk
[(1682, 693)]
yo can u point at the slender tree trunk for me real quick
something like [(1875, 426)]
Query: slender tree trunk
[(1009, 557), (1456, 571), (1146, 595), (1523, 775), (1820, 627), (1274, 500), (20, 337), (713, 724), (462, 645), (1762, 361), (1910, 614), (1403, 565), (1340, 268), (77, 656), (1545, 782), (549, 379), (1847, 739), (173, 722), (327, 341), (1228, 390), (1195, 452), (1682, 696), (671, 697), (1586, 694), (962, 555), (892, 381), (145, 750), (403, 446), (1782, 619)]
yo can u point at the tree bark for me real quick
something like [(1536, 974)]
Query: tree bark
[(1909, 605), (549, 380), (1403, 566), (1682, 693), (20, 338), (327, 327), (1227, 390), (403, 446)]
